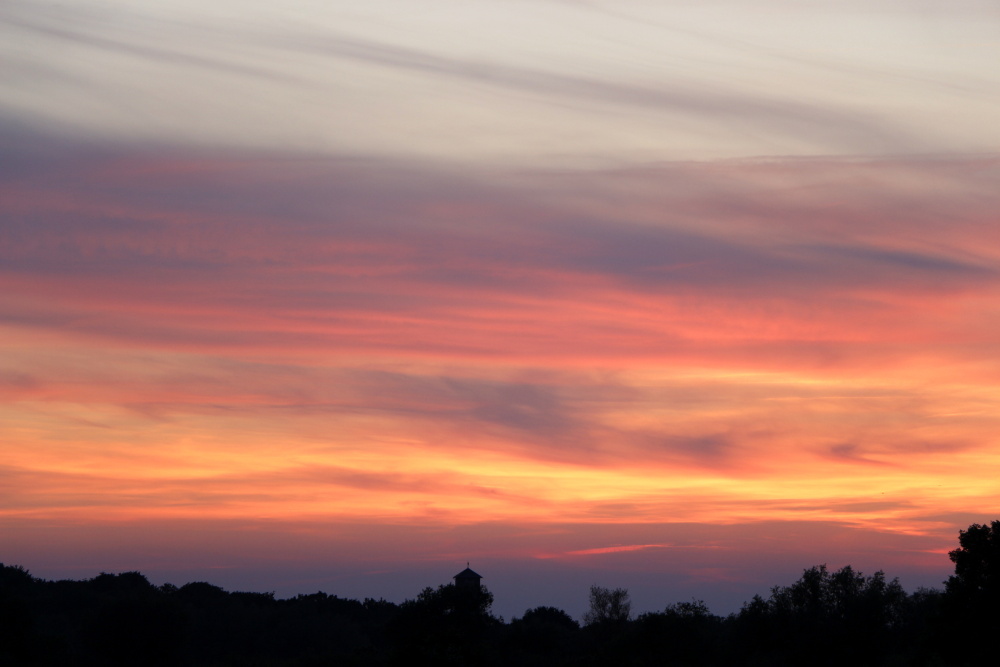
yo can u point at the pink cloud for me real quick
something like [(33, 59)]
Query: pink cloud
[(618, 354)]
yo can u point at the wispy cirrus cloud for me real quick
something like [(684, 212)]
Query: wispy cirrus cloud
[(767, 111), (308, 294), (388, 342), (656, 81), (607, 550), (303, 262)]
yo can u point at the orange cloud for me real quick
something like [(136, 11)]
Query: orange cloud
[(207, 342)]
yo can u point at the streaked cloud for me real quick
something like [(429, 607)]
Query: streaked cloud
[(349, 290), (548, 81), (157, 295)]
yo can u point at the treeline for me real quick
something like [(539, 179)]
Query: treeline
[(825, 618)]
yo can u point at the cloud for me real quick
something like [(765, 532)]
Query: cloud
[(773, 113), (251, 334), (850, 452), (595, 88), (246, 218), (687, 372), (144, 50), (614, 549), (193, 45)]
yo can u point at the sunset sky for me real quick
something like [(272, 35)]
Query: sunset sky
[(683, 297)]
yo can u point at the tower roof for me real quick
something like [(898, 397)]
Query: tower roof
[(468, 574)]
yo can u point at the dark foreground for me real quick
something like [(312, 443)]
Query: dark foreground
[(825, 618)]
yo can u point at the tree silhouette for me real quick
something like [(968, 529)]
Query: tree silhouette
[(972, 604), (608, 606), (449, 625), (827, 618), (17, 623), (543, 636), (977, 564), (684, 633)]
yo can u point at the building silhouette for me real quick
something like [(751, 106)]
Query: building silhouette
[(467, 579)]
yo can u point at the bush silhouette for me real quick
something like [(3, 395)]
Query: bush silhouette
[(825, 618)]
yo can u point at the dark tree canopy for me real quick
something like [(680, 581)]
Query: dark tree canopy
[(608, 606), (977, 563), (828, 618), (973, 592), (550, 617)]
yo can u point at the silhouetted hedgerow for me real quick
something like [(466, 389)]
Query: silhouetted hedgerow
[(825, 618)]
